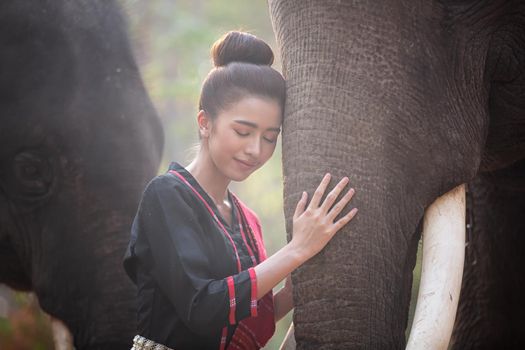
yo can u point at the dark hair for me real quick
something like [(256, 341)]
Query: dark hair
[(242, 68)]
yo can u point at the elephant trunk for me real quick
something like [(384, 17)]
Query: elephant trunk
[(362, 102), (443, 260)]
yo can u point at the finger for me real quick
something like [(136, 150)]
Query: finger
[(339, 206), (332, 196), (316, 198), (299, 208), (345, 220)]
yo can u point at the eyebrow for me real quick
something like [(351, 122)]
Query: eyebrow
[(253, 125)]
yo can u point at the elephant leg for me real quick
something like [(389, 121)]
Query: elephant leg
[(490, 314)]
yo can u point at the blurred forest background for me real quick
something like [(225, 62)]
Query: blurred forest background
[(171, 41)]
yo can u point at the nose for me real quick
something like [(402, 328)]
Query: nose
[(253, 147)]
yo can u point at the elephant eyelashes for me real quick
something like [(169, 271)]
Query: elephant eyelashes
[(32, 176)]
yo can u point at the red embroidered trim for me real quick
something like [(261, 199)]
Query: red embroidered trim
[(213, 214), (231, 292), (255, 252), (253, 301), (223, 338), (250, 251)]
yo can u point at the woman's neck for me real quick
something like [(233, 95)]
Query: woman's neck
[(210, 178)]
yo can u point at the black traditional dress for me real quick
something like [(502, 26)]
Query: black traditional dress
[(196, 285)]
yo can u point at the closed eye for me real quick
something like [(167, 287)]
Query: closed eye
[(269, 140), (242, 134)]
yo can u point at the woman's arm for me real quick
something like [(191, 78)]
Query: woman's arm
[(313, 227)]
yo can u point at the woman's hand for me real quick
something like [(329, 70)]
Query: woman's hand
[(314, 226)]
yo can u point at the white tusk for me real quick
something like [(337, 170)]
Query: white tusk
[(61, 335), (441, 272)]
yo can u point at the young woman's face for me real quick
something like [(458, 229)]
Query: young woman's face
[(243, 137)]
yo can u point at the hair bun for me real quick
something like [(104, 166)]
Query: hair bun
[(241, 47)]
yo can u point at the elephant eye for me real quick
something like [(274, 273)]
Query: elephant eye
[(31, 177), (30, 170)]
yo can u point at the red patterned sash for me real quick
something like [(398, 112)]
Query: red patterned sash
[(255, 331)]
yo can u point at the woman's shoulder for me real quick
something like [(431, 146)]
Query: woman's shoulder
[(164, 182), (168, 180), (167, 187)]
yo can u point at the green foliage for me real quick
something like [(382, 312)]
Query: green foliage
[(26, 327)]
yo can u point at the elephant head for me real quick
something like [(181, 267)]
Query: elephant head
[(80, 139), (410, 100)]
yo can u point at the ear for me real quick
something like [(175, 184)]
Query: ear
[(204, 123)]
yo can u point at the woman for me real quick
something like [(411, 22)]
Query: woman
[(196, 251)]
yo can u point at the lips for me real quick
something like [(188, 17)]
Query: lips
[(246, 164)]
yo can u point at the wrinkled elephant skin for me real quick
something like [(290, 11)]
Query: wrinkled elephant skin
[(410, 100)]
